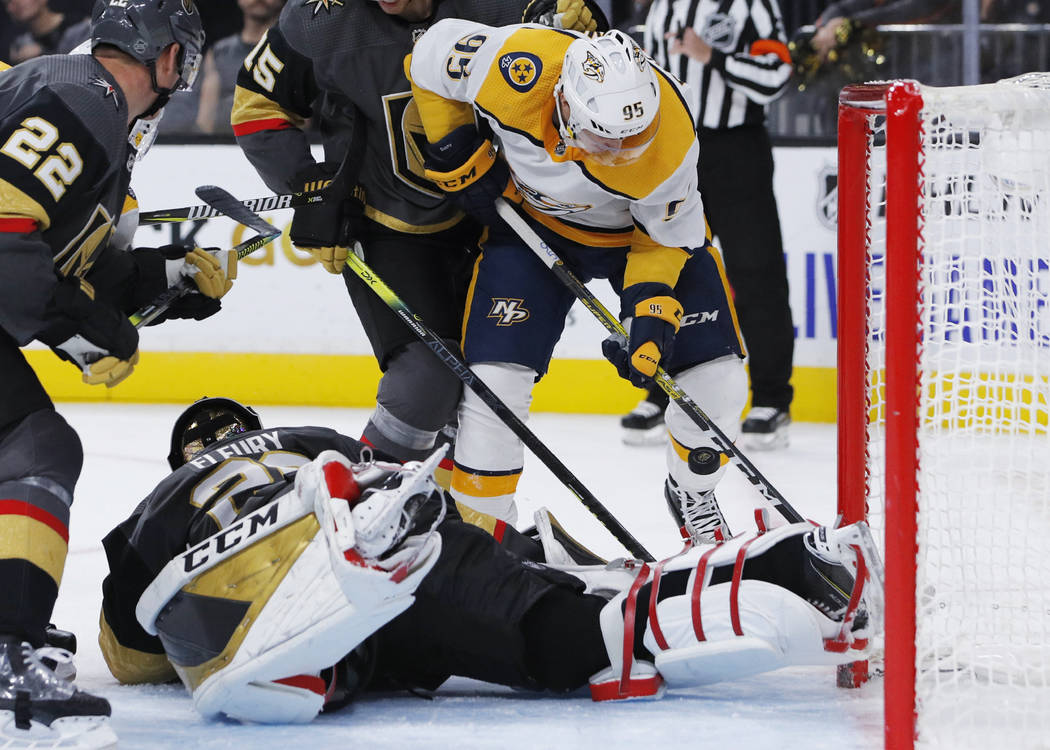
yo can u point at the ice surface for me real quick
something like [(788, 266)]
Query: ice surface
[(126, 445)]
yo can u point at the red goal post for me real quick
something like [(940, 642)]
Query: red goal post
[(944, 398)]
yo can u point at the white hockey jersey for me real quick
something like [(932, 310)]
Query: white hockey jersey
[(507, 75)]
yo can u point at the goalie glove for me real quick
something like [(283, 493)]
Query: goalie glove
[(466, 166), (572, 15), (211, 269), (654, 321)]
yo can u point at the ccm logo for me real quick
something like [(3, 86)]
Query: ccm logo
[(700, 317)]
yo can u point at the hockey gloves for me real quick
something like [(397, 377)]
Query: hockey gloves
[(325, 229), (655, 318), (212, 270), (465, 165), (95, 337), (573, 15)]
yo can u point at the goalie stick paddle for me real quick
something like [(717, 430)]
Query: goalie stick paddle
[(666, 382), (150, 312)]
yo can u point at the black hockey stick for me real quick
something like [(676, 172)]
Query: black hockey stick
[(223, 202), (463, 372), (204, 211), (150, 312), (666, 383), (499, 408)]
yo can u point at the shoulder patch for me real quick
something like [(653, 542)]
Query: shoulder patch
[(520, 69)]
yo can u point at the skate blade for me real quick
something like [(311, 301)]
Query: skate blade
[(757, 441), (653, 436), (73, 732)]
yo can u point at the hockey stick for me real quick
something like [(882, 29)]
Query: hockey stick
[(204, 211), (666, 383), (150, 312), (221, 201)]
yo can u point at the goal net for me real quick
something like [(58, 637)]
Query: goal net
[(944, 397)]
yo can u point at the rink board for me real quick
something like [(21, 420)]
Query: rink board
[(287, 333)]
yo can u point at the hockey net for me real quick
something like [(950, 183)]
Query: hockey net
[(944, 397)]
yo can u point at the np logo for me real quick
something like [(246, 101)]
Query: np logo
[(507, 311), (593, 68), (520, 69), (828, 197)]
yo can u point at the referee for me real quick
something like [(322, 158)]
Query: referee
[(733, 56)]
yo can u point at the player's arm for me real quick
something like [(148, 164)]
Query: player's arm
[(274, 96), (762, 69)]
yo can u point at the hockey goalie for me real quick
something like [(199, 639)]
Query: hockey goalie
[(279, 572)]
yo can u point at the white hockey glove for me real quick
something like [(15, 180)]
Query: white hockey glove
[(212, 270)]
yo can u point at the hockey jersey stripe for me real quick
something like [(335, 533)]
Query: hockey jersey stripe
[(32, 534), (19, 205), (18, 226), (251, 107)]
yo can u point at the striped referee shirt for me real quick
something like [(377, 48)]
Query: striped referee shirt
[(750, 64)]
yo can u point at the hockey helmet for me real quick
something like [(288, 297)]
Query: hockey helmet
[(207, 421), (145, 28), (612, 96)]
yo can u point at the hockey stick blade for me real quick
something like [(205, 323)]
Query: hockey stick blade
[(225, 203), (165, 299), (674, 391)]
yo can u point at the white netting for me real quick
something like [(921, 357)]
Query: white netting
[(983, 578)]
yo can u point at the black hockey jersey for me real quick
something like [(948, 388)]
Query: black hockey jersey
[(234, 476), (64, 175), (327, 60)]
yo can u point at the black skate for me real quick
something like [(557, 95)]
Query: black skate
[(697, 513), (644, 425), (765, 428), (40, 710)]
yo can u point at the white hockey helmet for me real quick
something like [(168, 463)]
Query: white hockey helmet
[(612, 97)]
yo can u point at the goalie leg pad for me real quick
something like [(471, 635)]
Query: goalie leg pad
[(292, 601)]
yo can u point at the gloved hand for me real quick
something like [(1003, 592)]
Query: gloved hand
[(465, 165), (651, 331), (212, 270), (325, 229), (573, 15), (95, 337)]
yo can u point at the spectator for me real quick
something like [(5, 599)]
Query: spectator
[(224, 59), (44, 29), (835, 24)]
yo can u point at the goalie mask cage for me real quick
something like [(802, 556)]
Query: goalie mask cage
[(944, 365)]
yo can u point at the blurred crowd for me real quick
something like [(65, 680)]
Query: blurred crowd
[(833, 44)]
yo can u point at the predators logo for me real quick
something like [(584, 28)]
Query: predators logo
[(520, 69), (318, 4), (547, 204), (593, 68)]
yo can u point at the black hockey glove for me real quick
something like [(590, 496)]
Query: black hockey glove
[(326, 228), (573, 15), (94, 336), (465, 165), (654, 316)]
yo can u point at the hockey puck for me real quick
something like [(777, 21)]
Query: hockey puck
[(704, 460)]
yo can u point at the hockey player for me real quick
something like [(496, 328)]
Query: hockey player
[(64, 173), (596, 145), (341, 64), (279, 570)]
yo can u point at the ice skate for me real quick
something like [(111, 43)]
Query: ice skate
[(697, 513), (644, 424), (41, 710), (765, 428)]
